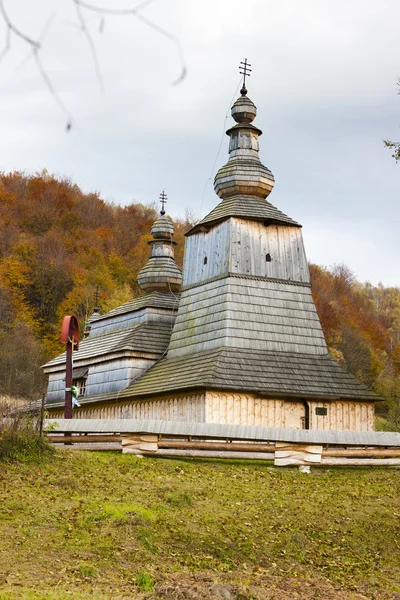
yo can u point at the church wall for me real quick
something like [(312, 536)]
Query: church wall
[(252, 243), (247, 409), (56, 387), (104, 377), (111, 376), (187, 408), (206, 254), (354, 416), (243, 409), (234, 409)]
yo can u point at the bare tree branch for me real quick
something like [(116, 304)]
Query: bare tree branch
[(90, 42), (52, 90), (135, 12), (115, 11), (36, 47), (15, 30), (7, 45)]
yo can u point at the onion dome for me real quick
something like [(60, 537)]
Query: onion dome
[(243, 174), (161, 274)]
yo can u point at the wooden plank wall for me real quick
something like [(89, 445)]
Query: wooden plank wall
[(103, 377), (187, 408), (213, 245), (342, 415), (248, 409), (235, 409), (240, 246), (251, 241), (243, 409), (115, 375)]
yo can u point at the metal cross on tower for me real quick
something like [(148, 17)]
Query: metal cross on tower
[(96, 298), (163, 200), (244, 70)]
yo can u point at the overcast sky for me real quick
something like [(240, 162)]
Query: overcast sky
[(324, 82)]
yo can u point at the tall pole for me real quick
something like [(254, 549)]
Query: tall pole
[(69, 337), (68, 382)]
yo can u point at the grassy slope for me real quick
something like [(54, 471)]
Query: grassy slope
[(92, 525)]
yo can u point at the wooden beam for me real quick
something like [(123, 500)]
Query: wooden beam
[(362, 452), (233, 447), (83, 439), (360, 462), (201, 453)]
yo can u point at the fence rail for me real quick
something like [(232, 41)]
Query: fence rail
[(177, 439)]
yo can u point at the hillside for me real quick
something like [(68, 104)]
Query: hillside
[(103, 525), (58, 245)]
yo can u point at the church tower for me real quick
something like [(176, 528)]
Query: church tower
[(245, 346), (247, 341)]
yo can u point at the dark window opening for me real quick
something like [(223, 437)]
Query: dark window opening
[(205, 260), (321, 411), (268, 257), (79, 377), (81, 385)]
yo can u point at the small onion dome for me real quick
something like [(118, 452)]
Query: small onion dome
[(243, 176), (244, 110), (162, 228), (160, 274)]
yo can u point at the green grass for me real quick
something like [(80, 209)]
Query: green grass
[(105, 525)]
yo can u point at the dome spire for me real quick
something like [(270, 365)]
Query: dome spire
[(244, 174), (161, 274), (163, 200), (244, 69)]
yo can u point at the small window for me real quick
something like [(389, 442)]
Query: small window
[(268, 257), (81, 385), (319, 410), (205, 260)]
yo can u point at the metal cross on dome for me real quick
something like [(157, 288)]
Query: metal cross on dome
[(97, 297), (163, 200), (244, 69)]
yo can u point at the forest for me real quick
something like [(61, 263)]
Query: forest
[(59, 245)]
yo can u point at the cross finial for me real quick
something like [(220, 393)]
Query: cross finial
[(244, 70), (163, 200), (96, 299)]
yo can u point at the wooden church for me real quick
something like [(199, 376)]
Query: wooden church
[(234, 339)]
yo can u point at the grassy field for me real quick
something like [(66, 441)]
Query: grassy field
[(103, 525)]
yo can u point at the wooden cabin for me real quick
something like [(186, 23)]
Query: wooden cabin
[(243, 344)]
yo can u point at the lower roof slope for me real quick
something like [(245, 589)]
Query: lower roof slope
[(273, 374), (148, 338)]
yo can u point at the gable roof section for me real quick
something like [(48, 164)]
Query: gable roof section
[(246, 207), (152, 300), (149, 338), (279, 374)]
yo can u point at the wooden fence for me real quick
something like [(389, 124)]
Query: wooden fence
[(175, 439)]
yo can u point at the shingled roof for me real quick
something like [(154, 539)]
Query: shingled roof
[(246, 207), (266, 373), (278, 375), (148, 338), (150, 300)]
